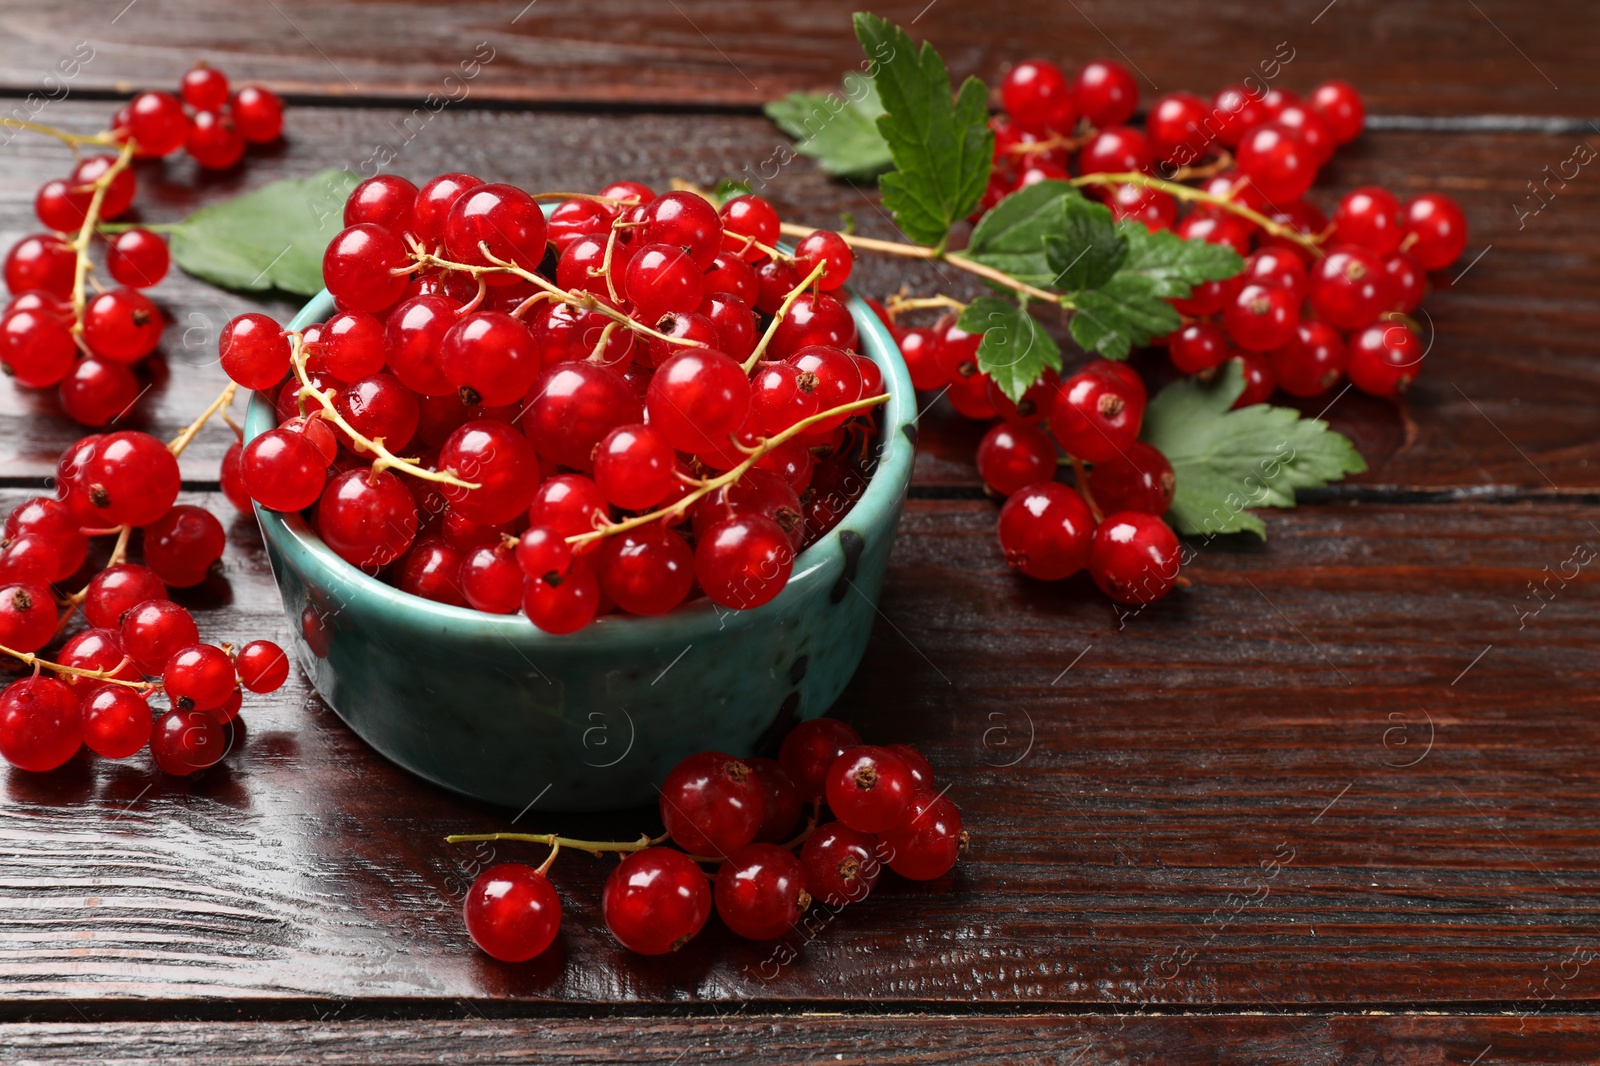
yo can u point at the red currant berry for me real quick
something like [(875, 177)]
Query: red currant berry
[(62, 205), (369, 519), (840, 864), (413, 334), (490, 358), (431, 569), (816, 318), (27, 617), (115, 721), (711, 804), (122, 324), (259, 114), (1045, 530), (358, 268), (1224, 229), (184, 545), (810, 750), (780, 801), (1097, 414), (1370, 218), (760, 892), (697, 398), (868, 788), (829, 250), (1310, 363), (1135, 558), (55, 521), (646, 571), (198, 677), (1341, 107), (254, 351), (684, 220), (1177, 129), (735, 325), (1385, 358), (543, 550), (152, 631), (435, 201), (36, 348), (573, 405), (1115, 150), (131, 479), (925, 843), (569, 504), (512, 912), (1106, 93), (1198, 347), (214, 141), (41, 725), (744, 561), (747, 219), (1277, 162), (562, 603), (1140, 481), (1152, 207), (157, 123), (186, 741), (1435, 231), (578, 218), (759, 491), (232, 479), (1348, 287), (137, 258), (28, 558), (1406, 282), (655, 901), (204, 88), (283, 471), (1261, 316), (730, 274), (500, 461), (662, 279), (385, 200), (116, 590), (98, 650), (119, 193), (43, 262), (504, 218), (916, 762), (1012, 457), (490, 579), (635, 467), (98, 391), (1036, 95), (1259, 380)]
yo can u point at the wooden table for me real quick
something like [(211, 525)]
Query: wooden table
[(1373, 715)]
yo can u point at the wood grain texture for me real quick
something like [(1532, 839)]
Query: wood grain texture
[(1335, 771), (1504, 403), (1410, 58), (1034, 1040)]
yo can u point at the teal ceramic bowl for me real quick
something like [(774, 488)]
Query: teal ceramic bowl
[(489, 706)]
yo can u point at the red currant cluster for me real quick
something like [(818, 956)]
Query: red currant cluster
[(113, 484), (739, 813), (634, 400), (54, 332), (1316, 300)]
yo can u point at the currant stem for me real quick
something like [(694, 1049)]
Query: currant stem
[(1081, 476), (783, 310), (596, 848), (711, 485), (1184, 192), (921, 251), (91, 217), (181, 441), (27, 658), (896, 304), (385, 458), (74, 139)]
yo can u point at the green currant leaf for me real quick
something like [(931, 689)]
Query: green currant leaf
[(942, 148), (1173, 264), (1228, 461), (727, 189), (1090, 252), (1126, 311), (1015, 350), (839, 130), (1011, 236), (270, 238)]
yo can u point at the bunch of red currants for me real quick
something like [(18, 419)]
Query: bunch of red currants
[(55, 332), (634, 403), (739, 814)]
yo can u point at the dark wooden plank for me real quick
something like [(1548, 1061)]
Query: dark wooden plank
[(1363, 725), (1503, 404), (1222, 1040), (1432, 58)]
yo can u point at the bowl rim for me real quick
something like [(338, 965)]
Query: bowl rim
[(877, 506)]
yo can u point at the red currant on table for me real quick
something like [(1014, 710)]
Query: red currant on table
[(1045, 531), (184, 545), (925, 843), (1370, 218), (122, 324), (1384, 358), (712, 804), (655, 901), (137, 258), (116, 590), (809, 752), (1134, 558), (760, 892), (841, 864), (41, 725), (1259, 380), (1435, 231), (204, 88), (263, 667), (1098, 412), (259, 114), (781, 803), (1261, 316), (868, 788), (1341, 107), (1012, 457), (1142, 480), (157, 123), (1310, 364), (1277, 162), (1198, 347), (184, 742), (1036, 95), (512, 912), (1348, 287), (115, 720)]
